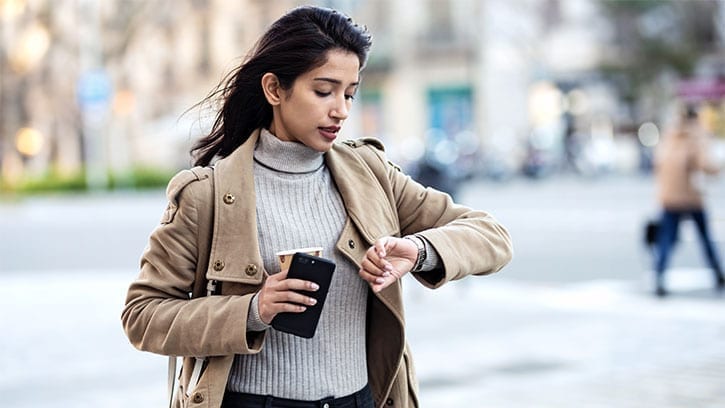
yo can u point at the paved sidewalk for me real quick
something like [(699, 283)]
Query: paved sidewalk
[(496, 343), (482, 342)]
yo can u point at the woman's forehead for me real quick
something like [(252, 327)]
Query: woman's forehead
[(340, 67)]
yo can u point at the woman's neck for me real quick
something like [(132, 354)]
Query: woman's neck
[(286, 157)]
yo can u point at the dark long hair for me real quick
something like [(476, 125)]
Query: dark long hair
[(294, 44)]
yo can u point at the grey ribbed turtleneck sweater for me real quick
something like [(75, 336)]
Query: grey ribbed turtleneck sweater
[(298, 206)]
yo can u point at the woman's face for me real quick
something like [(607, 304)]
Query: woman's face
[(313, 110)]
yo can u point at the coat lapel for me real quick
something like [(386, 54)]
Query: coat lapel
[(370, 209), (235, 254), (367, 204)]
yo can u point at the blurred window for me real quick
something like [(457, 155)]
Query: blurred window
[(450, 109)]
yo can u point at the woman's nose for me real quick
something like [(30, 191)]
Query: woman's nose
[(341, 109)]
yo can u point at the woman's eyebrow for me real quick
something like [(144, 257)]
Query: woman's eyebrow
[(335, 81)]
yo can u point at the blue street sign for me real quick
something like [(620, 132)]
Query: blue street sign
[(94, 88)]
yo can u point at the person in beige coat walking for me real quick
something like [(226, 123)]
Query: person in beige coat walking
[(679, 159), (281, 179)]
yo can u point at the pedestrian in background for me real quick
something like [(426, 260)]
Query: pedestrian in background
[(679, 161), (281, 181)]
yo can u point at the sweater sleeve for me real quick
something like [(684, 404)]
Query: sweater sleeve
[(254, 320), (432, 260)]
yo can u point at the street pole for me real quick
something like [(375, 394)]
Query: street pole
[(93, 96)]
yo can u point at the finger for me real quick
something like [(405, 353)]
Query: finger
[(376, 269), (370, 278), (274, 304), (287, 307), (288, 301), (298, 284), (280, 296), (277, 277), (379, 251), (377, 287), (381, 247), (291, 296), (287, 296), (373, 254)]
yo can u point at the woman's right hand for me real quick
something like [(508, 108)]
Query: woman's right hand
[(278, 295)]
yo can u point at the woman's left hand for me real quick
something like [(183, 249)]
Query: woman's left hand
[(387, 261)]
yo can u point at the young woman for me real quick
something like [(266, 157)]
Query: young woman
[(281, 181)]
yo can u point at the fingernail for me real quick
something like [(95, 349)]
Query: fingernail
[(312, 301), (314, 286), (388, 267), (379, 280), (386, 274)]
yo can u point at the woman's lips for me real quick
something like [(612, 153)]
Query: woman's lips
[(329, 132)]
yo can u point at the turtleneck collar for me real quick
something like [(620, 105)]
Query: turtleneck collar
[(287, 157)]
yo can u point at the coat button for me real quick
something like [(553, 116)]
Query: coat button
[(351, 244), (251, 270), (229, 198), (218, 265), (198, 397), (389, 402)]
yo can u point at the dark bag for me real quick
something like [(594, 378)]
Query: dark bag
[(651, 229)]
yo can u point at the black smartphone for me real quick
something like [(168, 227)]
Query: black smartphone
[(314, 269)]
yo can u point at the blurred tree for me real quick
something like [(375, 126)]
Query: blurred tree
[(655, 37), (81, 35)]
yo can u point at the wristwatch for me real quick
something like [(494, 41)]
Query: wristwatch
[(418, 241)]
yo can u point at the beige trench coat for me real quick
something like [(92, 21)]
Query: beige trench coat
[(380, 201), (682, 154)]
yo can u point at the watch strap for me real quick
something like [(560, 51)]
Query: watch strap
[(422, 254)]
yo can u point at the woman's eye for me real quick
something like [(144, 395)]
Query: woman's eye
[(350, 97), (320, 93)]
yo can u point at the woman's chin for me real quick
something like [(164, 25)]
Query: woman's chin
[(322, 146)]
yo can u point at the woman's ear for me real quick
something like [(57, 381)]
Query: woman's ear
[(271, 88)]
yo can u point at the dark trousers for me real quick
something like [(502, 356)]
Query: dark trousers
[(667, 237), (360, 399)]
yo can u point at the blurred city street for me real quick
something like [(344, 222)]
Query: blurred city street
[(571, 322), (552, 115)]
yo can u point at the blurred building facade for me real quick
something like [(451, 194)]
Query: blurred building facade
[(90, 85)]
